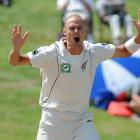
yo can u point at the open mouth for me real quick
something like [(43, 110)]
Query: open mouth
[(76, 39)]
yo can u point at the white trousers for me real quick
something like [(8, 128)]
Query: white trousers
[(58, 128), (114, 22)]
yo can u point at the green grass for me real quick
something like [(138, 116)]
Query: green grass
[(19, 86), (115, 128)]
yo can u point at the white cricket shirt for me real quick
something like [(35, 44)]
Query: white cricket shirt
[(67, 79)]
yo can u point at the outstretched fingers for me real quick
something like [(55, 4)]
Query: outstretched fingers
[(19, 29), (138, 17), (137, 22), (17, 38), (14, 31), (25, 35), (139, 14)]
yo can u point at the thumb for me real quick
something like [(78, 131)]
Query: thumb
[(25, 35)]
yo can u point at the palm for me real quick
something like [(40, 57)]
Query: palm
[(17, 39)]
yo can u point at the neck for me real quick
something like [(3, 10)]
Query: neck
[(77, 50)]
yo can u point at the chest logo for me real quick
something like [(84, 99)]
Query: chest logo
[(65, 68), (83, 66)]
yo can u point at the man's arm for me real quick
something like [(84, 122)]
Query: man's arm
[(131, 45), (15, 58)]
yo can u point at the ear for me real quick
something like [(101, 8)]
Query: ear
[(64, 31)]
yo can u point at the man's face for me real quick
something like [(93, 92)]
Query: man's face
[(75, 30)]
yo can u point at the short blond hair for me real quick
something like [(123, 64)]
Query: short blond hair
[(79, 18)]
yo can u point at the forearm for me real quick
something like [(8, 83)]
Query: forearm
[(128, 48), (16, 59), (121, 51)]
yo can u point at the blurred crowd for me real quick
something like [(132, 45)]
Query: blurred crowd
[(6, 3), (111, 13), (82, 7)]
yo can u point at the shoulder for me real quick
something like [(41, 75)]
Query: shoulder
[(96, 46), (99, 47), (53, 48), (43, 52), (47, 49)]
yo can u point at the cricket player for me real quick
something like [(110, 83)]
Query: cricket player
[(67, 68)]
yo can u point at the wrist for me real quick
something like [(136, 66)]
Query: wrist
[(131, 45), (16, 50)]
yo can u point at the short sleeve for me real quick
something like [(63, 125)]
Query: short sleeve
[(103, 51), (37, 57)]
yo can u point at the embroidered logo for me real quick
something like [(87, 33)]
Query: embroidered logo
[(83, 66), (65, 68), (35, 52)]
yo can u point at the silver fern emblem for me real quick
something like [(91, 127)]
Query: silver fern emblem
[(83, 66)]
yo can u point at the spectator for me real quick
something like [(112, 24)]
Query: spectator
[(114, 14), (6, 2), (81, 7)]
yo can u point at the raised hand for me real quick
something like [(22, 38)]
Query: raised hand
[(137, 25), (17, 39)]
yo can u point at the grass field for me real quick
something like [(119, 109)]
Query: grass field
[(19, 87)]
